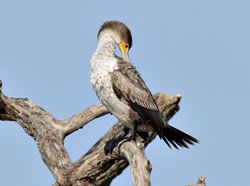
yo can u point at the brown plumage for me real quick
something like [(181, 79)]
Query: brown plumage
[(130, 88), (118, 28)]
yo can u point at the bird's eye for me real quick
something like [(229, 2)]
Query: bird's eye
[(126, 45)]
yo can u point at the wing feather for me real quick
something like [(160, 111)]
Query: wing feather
[(127, 81), (130, 87)]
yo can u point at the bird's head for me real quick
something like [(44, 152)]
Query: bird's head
[(121, 35)]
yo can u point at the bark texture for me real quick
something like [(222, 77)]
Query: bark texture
[(200, 182), (95, 167)]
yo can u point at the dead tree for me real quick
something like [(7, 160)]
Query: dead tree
[(93, 168)]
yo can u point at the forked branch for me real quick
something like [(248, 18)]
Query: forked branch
[(93, 168)]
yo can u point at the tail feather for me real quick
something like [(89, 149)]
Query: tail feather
[(176, 137)]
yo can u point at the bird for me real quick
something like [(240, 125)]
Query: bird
[(121, 89)]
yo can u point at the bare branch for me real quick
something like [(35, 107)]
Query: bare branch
[(44, 129), (99, 169), (200, 182), (140, 166), (94, 168), (79, 120)]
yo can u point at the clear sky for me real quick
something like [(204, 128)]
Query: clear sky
[(200, 49)]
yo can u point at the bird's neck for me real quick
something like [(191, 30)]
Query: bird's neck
[(106, 46)]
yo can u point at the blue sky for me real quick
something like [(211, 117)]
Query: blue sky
[(199, 49)]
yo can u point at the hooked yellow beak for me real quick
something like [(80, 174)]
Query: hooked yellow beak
[(124, 50)]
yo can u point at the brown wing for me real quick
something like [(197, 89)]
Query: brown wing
[(130, 87)]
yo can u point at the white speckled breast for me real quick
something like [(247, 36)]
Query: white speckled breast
[(103, 63), (100, 77)]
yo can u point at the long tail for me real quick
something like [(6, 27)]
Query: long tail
[(176, 137)]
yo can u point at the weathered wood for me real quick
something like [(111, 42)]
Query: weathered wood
[(93, 168), (140, 166), (79, 120), (200, 182)]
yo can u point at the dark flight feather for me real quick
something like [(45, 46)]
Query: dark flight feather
[(130, 87)]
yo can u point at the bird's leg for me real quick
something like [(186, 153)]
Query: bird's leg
[(111, 144), (143, 135), (133, 132)]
